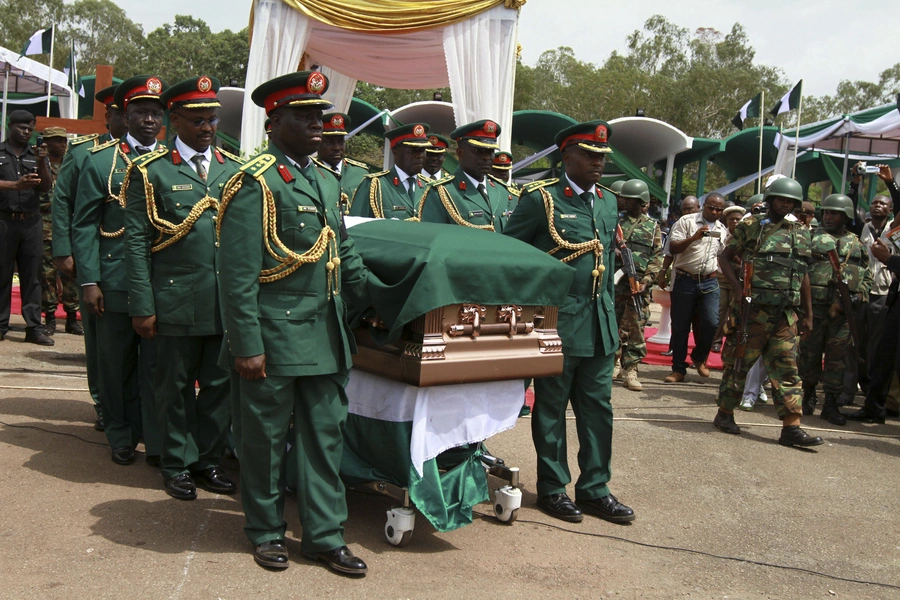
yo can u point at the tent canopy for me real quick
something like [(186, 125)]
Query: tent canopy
[(646, 140), (29, 76), (872, 131)]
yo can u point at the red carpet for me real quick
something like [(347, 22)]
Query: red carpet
[(655, 357), (16, 306)]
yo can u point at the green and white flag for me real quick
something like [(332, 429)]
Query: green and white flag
[(71, 71), (789, 101), (748, 111), (40, 43)]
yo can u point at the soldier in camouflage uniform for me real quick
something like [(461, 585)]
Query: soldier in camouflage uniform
[(831, 334), (642, 235), (55, 138), (779, 251)]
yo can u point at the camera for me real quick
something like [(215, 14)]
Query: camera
[(40, 141), (714, 234), (864, 169)]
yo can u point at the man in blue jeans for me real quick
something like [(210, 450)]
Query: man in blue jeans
[(695, 241)]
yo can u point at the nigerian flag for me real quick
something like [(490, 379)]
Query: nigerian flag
[(749, 110), (40, 43), (789, 101), (71, 71)]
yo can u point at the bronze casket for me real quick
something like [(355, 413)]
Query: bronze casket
[(458, 305)]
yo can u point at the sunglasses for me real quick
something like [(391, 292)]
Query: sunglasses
[(212, 121)]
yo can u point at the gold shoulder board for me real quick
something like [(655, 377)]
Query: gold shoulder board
[(84, 138), (231, 156), (446, 179), (356, 163), (324, 165), (378, 174), (104, 146), (606, 188), (536, 185), (142, 160), (258, 165)]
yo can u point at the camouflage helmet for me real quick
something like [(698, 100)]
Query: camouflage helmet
[(839, 203), (635, 188), (616, 186), (784, 187)]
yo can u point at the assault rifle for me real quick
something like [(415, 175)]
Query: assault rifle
[(846, 304), (630, 272), (744, 332)]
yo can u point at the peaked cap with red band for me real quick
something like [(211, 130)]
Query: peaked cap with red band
[(335, 124), (106, 96), (592, 136), (304, 88), (439, 144), (503, 161), (481, 134), (414, 134), (140, 87), (196, 92)]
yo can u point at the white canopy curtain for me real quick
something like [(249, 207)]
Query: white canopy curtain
[(475, 57)]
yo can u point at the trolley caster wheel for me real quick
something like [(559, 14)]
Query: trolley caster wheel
[(399, 527), (507, 501)]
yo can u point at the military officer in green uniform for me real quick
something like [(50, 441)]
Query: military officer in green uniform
[(575, 220), (56, 139), (170, 254), (831, 335), (471, 196), (502, 170), (287, 271), (780, 311), (395, 193), (331, 154), (98, 245), (63, 207), (642, 235), (433, 168)]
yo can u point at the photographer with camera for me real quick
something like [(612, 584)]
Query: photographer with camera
[(695, 241), (24, 173)]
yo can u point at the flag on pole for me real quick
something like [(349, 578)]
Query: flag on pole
[(789, 101), (71, 71), (39, 43), (748, 111)]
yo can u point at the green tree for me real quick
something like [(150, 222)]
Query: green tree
[(103, 35), (188, 48)]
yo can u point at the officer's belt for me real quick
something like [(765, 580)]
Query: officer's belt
[(784, 262), (18, 216), (684, 273)]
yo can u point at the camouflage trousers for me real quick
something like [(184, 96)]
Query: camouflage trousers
[(830, 336), (633, 347), (773, 337), (49, 297)]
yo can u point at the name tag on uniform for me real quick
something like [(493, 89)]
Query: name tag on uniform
[(476, 213), (398, 208), (567, 216), (120, 171), (182, 186), (306, 209)]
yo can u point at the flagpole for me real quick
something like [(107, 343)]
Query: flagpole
[(797, 139), (5, 96), (50, 66), (762, 123)]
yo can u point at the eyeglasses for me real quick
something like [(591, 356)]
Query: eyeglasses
[(714, 208), (212, 121)]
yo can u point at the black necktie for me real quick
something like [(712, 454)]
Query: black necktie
[(411, 189), (142, 149), (197, 159), (483, 191), (588, 198)]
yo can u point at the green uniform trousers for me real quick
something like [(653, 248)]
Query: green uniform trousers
[(830, 336), (49, 297), (774, 339), (318, 405), (89, 323), (193, 425), (127, 413), (633, 347), (587, 383)]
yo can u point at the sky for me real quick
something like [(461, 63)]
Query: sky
[(819, 41)]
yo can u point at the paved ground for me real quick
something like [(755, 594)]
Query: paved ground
[(718, 516)]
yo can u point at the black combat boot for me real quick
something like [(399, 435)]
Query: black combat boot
[(809, 399), (49, 323), (72, 324), (830, 411)]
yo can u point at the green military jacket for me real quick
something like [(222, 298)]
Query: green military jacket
[(98, 225), (46, 204), (278, 295), (644, 238), (854, 259), (170, 240), (587, 320), (63, 201), (351, 175), (382, 195), (456, 200), (779, 252)]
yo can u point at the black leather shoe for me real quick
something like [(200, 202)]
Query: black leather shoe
[(153, 461), (72, 325), (794, 436), (890, 412), (49, 324), (99, 425), (608, 508), (181, 487), (831, 414), (340, 560), (561, 507), (271, 555), (864, 415), (36, 335), (215, 480), (725, 422), (123, 455)]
